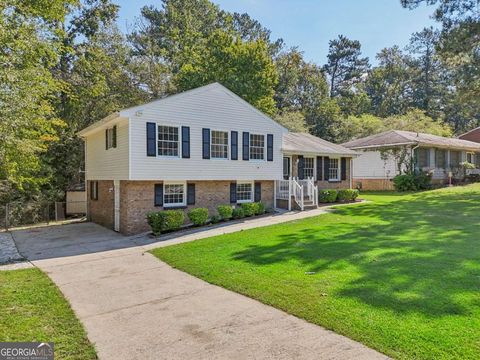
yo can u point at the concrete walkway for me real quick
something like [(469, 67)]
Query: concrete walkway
[(137, 307)]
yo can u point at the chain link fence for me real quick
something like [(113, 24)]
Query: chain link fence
[(17, 214)]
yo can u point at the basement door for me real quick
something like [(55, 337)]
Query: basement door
[(116, 205)]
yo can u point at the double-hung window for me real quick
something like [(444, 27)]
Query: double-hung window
[(309, 167), (257, 147), (244, 192), (219, 144), (455, 158), (174, 194), (423, 157), (168, 140), (334, 170), (440, 158)]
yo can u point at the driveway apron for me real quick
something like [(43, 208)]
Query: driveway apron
[(134, 306)]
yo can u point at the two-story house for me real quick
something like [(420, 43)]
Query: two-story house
[(201, 148)]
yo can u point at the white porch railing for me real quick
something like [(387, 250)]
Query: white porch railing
[(300, 190)]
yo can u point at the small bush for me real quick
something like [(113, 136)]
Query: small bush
[(249, 208), (347, 195), (412, 182), (225, 211), (166, 220), (215, 219), (238, 213), (259, 208), (198, 216), (327, 196)]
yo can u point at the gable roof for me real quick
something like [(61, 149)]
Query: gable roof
[(400, 137), (128, 112), (306, 143), (469, 132)]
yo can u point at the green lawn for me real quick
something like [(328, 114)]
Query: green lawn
[(33, 309), (400, 274)]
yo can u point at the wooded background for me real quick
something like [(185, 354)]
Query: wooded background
[(65, 65)]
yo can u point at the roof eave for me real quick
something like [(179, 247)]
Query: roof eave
[(98, 124)]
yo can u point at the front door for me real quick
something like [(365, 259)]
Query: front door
[(287, 168), (116, 205)]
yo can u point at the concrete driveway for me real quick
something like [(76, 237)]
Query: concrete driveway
[(137, 307)]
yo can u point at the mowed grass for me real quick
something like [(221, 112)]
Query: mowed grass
[(33, 309), (400, 273)]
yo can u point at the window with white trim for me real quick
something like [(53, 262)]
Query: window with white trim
[(309, 167), (219, 144), (174, 194), (168, 140), (257, 147), (244, 192), (334, 170)]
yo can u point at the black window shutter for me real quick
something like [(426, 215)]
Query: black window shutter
[(246, 146), (91, 190), (269, 147), (206, 143), (158, 194), (106, 139), (185, 142), (344, 168), (114, 136), (151, 139), (319, 168), (95, 197), (233, 193), (234, 146), (258, 192), (301, 167), (326, 167), (190, 194)]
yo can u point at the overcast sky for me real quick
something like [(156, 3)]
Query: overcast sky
[(310, 24)]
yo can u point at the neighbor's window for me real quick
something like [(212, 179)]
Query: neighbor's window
[(168, 140), (219, 144), (308, 169), (334, 170), (440, 158), (110, 138), (244, 192), (455, 158), (422, 157), (470, 158), (257, 147), (173, 195)]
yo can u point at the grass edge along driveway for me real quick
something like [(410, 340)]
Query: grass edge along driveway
[(400, 274), (32, 308)]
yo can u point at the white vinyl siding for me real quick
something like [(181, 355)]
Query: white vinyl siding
[(111, 164), (214, 108), (370, 165)]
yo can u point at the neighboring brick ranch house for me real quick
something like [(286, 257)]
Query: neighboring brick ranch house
[(472, 135), (202, 148), (376, 167)]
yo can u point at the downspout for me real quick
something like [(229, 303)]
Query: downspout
[(412, 154)]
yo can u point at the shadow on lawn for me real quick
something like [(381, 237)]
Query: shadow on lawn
[(419, 254)]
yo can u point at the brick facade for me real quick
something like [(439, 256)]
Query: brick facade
[(373, 184), (101, 211), (137, 199)]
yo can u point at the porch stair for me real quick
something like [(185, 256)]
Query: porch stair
[(300, 193)]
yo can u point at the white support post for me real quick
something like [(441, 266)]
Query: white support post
[(289, 193)]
